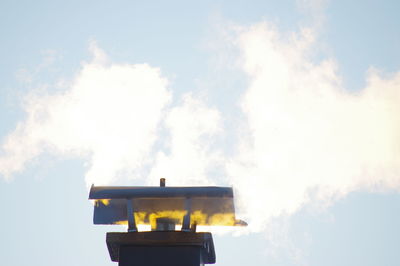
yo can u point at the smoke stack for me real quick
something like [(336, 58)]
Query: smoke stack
[(163, 208)]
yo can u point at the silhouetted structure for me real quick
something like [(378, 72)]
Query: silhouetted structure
[(164, 208)]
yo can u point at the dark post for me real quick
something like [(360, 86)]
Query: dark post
[(162, 182)]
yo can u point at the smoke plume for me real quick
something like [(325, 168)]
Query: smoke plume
[(192, 127), (303, 137), (108, 116), (306, 138)]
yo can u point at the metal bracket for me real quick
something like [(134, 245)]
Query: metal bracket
[(186, 218), (131, 216)]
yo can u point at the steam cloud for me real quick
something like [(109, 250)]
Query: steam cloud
[(192, 127), (304, 137), (109, 117)]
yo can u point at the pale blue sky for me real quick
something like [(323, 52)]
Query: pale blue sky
[(46, 217)]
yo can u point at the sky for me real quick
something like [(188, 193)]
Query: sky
[(295, 104)]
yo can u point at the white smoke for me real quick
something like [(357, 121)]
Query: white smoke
[(192, 127), (306, 138), (303, 137), (109, 116)]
